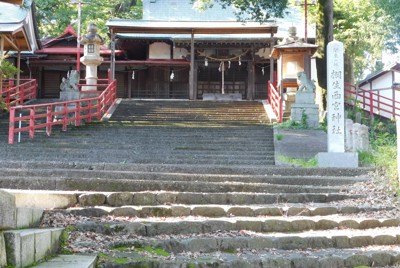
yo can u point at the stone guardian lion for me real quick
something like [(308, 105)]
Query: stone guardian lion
[(304, 83)]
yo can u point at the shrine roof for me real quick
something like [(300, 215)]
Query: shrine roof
[(293, 46), (19, 24), (120, 26)]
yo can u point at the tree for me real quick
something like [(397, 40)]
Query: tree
[(391, 9), (262, 10), (363, 47), (54, 15)]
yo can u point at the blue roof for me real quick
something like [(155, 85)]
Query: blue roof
[(182, 10), (20, 22)]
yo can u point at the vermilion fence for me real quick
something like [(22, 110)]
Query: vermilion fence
[(44, 116), (373, 101), (275, 100), (18, 94)]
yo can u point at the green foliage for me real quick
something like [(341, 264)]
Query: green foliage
[(105, 258), (392, 30), (7, 69), (290, 124), (54, 15), (279, 136), (3, 105), (305, 163), (248, 10)]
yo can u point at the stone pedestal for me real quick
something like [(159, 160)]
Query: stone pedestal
[(305, 104), (222, 97), (288, 99), (334, 159), (69, 95)]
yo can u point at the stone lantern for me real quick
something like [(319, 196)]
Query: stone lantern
[(91, 56), (294, 65)]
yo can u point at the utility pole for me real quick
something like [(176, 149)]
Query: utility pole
[(298, 3), (78, 39)]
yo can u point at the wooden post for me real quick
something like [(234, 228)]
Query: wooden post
[(19, 67), (250, 80), (192, 95), (1, 59), (112, 67)]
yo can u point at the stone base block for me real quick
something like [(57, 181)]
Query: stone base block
[(8, 216), (310, 110), (222, 97), (305, 97), (342, 160), (69, 95)]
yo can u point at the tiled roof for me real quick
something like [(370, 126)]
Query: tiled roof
[(182, 10), (19, 22)]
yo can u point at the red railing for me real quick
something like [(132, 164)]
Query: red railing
[(45, 116), (275, 100), (372, 101), (17, 95)]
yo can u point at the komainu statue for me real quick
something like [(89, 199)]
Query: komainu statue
[(304, 83), (71, 82)]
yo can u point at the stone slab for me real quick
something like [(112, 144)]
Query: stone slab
[(26, 246), (340, 160), (20, 249), (43, 245), (70, 261), (44, 199), (28, 217), (3, 256), (222, 97), (7, 211)]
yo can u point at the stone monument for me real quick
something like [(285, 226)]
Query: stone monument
[(305, 102), (91, 57), (336, 155)]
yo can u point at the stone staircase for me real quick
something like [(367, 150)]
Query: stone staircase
[(193, 184)]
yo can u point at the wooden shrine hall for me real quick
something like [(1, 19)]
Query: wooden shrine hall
[(184, 60)]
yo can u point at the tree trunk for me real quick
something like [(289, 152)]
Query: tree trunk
[(324, 36), (349, 69)]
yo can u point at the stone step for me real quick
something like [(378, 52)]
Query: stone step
[(228, 241), (129, 159), (70, 261), (108, 184), (65, 199), (26, 246), (375, 256), (212, 222), (89, 206), (185, 177), (190, 169)]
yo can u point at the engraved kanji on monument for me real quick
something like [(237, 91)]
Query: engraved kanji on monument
[(336, 155), (335, 91)]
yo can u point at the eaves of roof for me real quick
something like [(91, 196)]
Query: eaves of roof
[(119, 26)]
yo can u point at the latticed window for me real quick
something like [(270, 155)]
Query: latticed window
[(90, 48)]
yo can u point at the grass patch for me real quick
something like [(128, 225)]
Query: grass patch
[(305, 163), (279, 137), (105, 258), (154, 251), (137, 247)]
